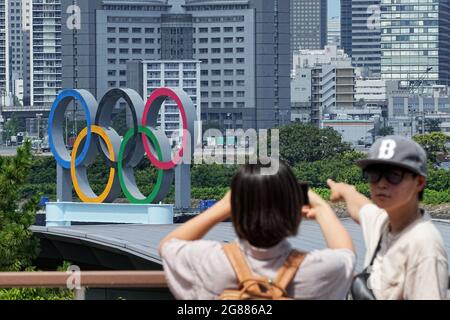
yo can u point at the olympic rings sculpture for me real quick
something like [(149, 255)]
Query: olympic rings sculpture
[(121, 154)]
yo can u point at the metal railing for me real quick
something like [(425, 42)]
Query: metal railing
[(87, 279), (82, 280)]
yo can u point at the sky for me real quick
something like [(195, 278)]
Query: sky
[(333, 8)]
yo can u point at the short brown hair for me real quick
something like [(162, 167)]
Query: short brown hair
[(266, 208)]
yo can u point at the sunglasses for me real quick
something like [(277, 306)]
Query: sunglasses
[(393, 176)]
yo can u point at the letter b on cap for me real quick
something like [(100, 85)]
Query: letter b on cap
[(387, 149)]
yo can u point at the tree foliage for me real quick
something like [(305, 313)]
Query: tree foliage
[(434, 144), (17, 245), (386, 131), (307, 143)]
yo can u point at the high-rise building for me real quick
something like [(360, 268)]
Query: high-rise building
[(415, 42), (44, 53), (361, 34), (4, 51), (243, 47), (334, 32), (308, 24), (16, 41)]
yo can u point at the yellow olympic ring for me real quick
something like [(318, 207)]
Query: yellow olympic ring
[(83, 197)]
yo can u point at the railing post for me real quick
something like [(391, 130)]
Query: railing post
[(80, 294)]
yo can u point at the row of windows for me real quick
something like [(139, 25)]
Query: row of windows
[(226, 83), (133, 30), (219, 50), (219, 29), (226, 72), (225, 61), (219, 40), (133, 51), (133, 40), (226, 94), (222, 104)]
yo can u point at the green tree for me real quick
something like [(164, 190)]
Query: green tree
[(386, 131), (306, 143), (434, 144), (17, 245)]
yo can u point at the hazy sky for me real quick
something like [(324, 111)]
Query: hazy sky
[(333, 8)]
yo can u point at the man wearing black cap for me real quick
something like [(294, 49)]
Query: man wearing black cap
[(405, 254)]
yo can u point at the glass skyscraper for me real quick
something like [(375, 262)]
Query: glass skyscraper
[(415, 42)]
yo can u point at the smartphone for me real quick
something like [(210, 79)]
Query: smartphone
[(304, 187)]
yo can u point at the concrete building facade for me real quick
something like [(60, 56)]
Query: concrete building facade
[(243, 47)]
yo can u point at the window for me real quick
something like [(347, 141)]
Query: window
[(111, 40), (111, 50), (240, 83), (149, 30), (149, 40), (215, 50), (239, 50), (239, 29), (111, 61), (240, 39), (111, 30), (149, 51), (228, 83), (228, 94), (216, 94), (123, 72), (215, 72), (123, 40), (228, 29), (204, 83), (240, 72), (215, 83), (240, 60), (124, 51), (204, 72), (228, 72), (111, 73), (137, 40), (215, 40), (215, 61), (203, 50), (228, 60), (228, 50), (123, 30), (137, 30), (137, 51), (215, 29), (240, 94), (203, 40), (203, 30)]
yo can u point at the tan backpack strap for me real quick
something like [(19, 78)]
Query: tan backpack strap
[(287, 272), (238, 261)]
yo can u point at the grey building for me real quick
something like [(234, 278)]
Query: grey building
[(309, 24), (243, 47), (43, 64), (16, 41), (361, 34), (415, 42), (4, 49)]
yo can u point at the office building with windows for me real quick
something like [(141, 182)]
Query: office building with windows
[(361, 34), (308, 24), (243, 47), (415, 42), (4, 50), (44, 60)]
